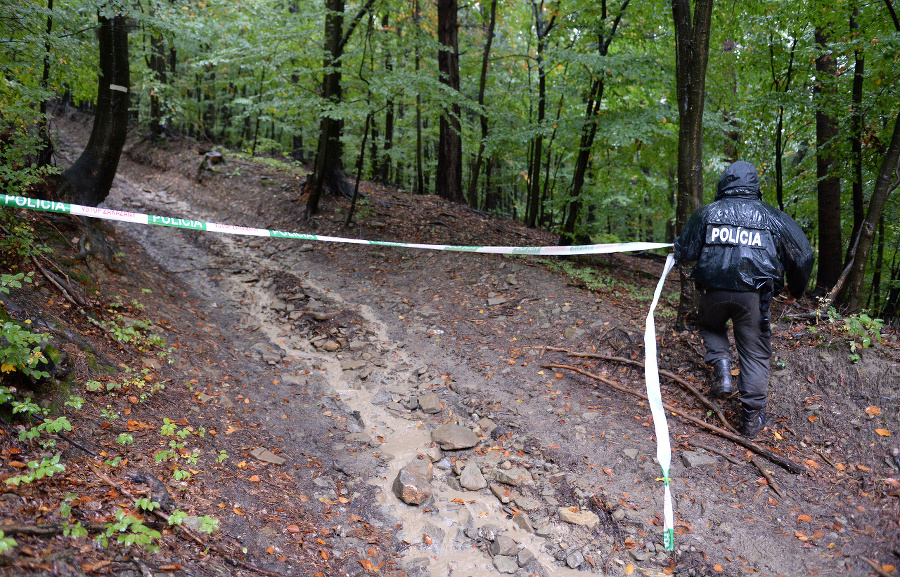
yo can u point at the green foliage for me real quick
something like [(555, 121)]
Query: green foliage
[(47, 467), (22, 352), (861, 329), (6, 543)]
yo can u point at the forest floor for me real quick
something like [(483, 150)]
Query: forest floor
[(302, 377)]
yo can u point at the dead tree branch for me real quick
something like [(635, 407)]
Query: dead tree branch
[(742, 441)]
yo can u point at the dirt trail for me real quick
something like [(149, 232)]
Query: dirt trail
[(335, 351)]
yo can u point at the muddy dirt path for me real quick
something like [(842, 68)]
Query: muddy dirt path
[(353, 361)]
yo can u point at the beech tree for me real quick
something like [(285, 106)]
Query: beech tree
[(89, 179), (448, 178)]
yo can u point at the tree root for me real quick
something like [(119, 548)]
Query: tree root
[(744, 442), (95, 242)]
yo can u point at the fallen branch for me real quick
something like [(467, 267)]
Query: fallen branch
[(46, 530), (769, 478), (875, 567), (165, 517), (75, 443), (744, 442), (668, 374)]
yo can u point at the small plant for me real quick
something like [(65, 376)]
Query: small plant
[(862, 329), (6, 543)]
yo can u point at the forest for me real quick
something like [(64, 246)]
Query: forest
[(603, 122)]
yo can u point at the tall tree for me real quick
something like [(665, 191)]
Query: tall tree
[(589, 125), (542, 28), (328, 168), (89, 179), (692, 33), (448, 177), (482, 114), (829, 183), (887, 181)]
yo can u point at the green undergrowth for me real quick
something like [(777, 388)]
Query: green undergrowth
[(47, 406), (593, 279)]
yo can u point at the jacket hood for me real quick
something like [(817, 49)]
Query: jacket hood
[(739, 178)]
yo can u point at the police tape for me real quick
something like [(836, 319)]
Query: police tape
[(654, 396), (152, 219), (663, 447)]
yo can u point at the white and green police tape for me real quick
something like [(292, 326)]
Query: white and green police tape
[(663, 449)]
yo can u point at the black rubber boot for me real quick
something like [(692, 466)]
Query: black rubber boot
[(721, 386), (752, 422)]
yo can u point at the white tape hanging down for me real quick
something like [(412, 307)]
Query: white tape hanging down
[(660, 425)]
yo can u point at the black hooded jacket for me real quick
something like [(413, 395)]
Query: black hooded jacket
[(741, 243)]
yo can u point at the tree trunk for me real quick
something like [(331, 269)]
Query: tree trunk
[(542, 31), (568, 234), (887, 181), (779, 130), (328, 168), (45, 152), (448, 177), (691, 57), (89, 179), (856, 135), (329, 165), (829, 185), (419, 187), (482, 83)]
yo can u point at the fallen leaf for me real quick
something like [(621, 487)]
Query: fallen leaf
[(238, 511), (800, 535), (133, 425), (888, 568), (292, 529), (169, 567), (367, 565), (872, 411), (777, 436), (863, 468), (629, 569), (17, 464), (804, 518), (811, 463), (324, 554), (812, 418), (883, 432), (95, 566), (840, 466), (718, 568), (254, 479), (230, 430), (270, 550)]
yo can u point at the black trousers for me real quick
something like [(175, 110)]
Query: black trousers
[(749, 314)]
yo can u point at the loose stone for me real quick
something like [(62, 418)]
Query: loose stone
[(585, 518), (471, 477), (453, 437), (413, 482), (503, 545)]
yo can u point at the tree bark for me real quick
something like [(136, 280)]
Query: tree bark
[(829, 185), (329, 163), (483, 119), (448, 177), (89, 179), (691, 57), (542, 31), (328, 168), (887, 181), (568, 234), (856, 135)]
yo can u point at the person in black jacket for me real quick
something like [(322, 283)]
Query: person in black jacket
[(744, 249)]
